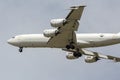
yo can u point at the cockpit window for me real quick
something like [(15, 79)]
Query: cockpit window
[(13, 37)]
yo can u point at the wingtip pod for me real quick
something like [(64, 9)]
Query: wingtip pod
[(76, 7), (116, 59)]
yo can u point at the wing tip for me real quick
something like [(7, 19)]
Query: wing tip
[(76, 7), (116, 59)]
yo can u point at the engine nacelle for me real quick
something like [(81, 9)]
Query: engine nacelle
[(71, 56), (91, 59), (50, 32), (57, 22)]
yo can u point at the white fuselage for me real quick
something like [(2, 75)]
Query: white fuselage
[(83, 40)]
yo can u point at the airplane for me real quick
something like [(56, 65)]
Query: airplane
[(63, 36)]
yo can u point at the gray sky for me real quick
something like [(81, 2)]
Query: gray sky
[(33, 16)]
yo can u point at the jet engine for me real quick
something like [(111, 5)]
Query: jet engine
[(72, 55), (50, 32), (91, 59), (57, 22)]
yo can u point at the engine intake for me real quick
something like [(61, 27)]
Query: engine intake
[(91, 59), (70, 56), (57, 22), (50, 32), (74, 55)]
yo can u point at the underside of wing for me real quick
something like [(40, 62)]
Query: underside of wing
[(66, 33), (62, 39), (90, 56), (76, 13), (99, 56)]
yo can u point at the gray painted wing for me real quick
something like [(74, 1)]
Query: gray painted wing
[(76, 13), (66, 32), (99, 55)]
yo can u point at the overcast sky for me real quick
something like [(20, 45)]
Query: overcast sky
[(33, 16)]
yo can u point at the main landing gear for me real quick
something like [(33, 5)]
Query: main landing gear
[(77, 54), (21, 49), (75, 50), (70, 46)]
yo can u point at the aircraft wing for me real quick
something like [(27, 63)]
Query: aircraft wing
[(99, 55), (75, 13), (94, 54), (67, 31)]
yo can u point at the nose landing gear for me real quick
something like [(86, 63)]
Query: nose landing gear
[(21, 49)]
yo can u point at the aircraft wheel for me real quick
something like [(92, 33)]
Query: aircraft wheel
[(70, 46), (21, 49), (77, 54)]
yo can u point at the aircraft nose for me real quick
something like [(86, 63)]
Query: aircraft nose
[(10, 41), (13, 41)]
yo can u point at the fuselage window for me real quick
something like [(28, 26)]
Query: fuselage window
[(101, 35)]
